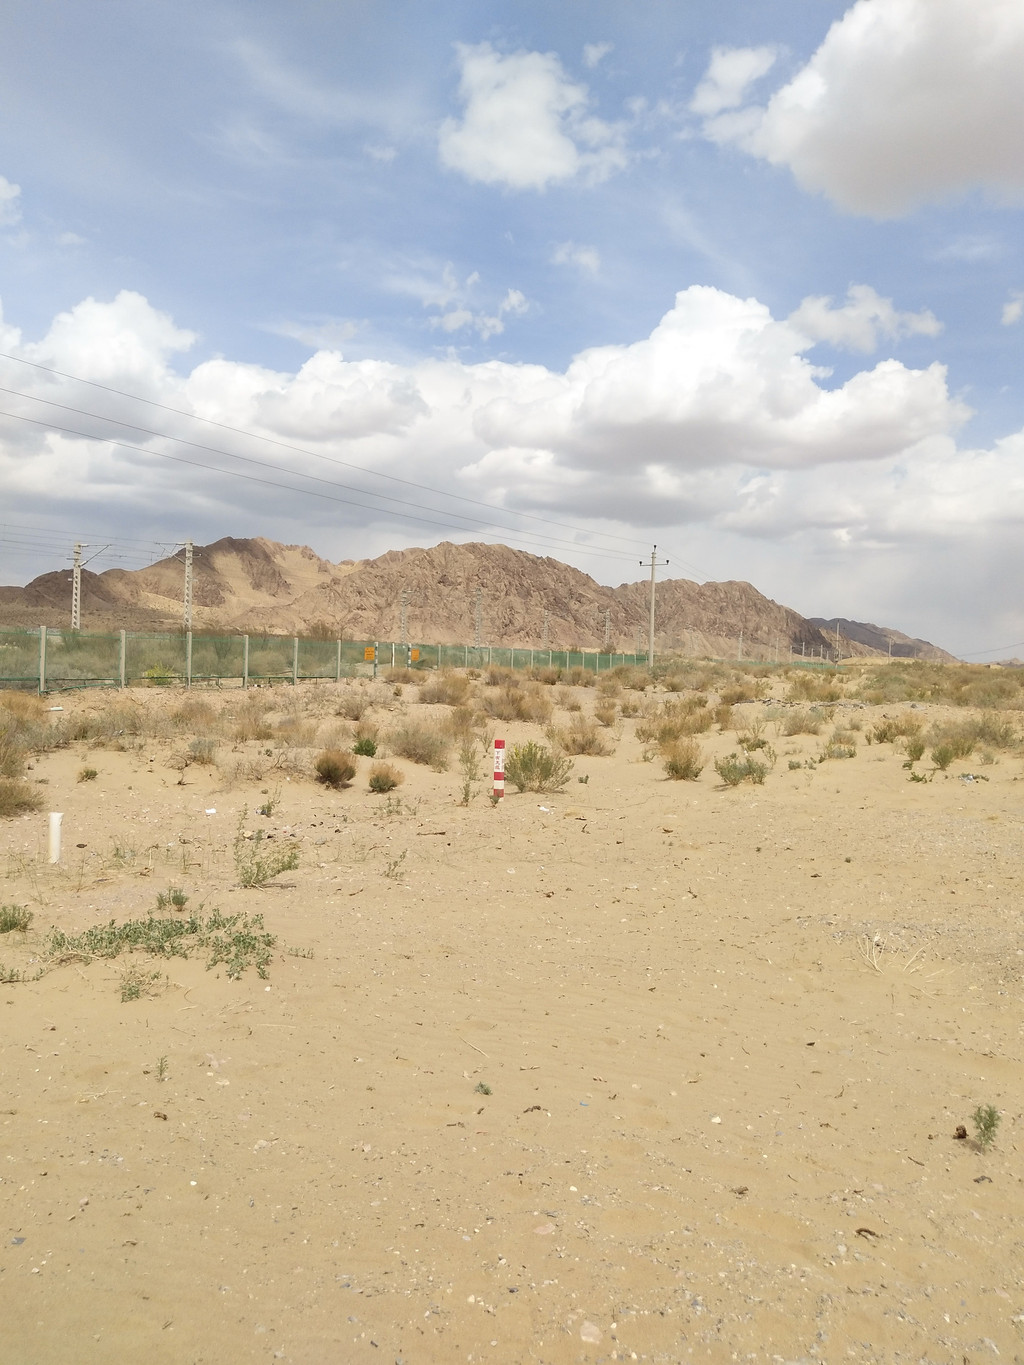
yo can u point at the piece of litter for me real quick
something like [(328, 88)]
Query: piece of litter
[(716, 1119), (590, 1332), (544, 808), (212, 810)]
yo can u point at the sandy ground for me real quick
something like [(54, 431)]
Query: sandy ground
[(726, 1037)]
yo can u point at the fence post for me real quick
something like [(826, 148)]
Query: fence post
[(188, 658), (295, 661), (42, 659), (122, 663), (245, 662), (337, 668)]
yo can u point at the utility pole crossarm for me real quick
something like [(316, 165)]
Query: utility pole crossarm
[(655, 563)]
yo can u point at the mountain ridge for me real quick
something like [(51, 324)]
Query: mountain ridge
[(255, 585)]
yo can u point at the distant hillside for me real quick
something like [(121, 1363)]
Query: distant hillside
[(251, 586), (883, 640)]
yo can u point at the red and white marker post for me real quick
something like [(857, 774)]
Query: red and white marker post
[(499, 769)]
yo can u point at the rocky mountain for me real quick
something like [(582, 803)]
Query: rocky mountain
[(882, 639), (446, 593)]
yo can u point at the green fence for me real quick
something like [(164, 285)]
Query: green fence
[(51, 660)]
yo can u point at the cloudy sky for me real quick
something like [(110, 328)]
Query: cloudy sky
[(744, 280)]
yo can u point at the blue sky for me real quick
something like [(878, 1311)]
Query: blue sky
[(742, 279)]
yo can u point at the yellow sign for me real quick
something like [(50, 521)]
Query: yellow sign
[(368, 654), (414, 656)]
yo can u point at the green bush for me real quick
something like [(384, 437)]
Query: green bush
[(733, 770), (533, 767), (365, 747), (15, 919), (942, 756)]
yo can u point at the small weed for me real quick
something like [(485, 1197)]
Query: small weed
[(87, 774), (482, 1088), (15, 919), (161, 1069), (920, 777), (942, 756), (255, 869), (171, 899), (135, 983), (915, 749), (365, 747), (300, 952), (584, 779), (986, 1119), (469, 765), (271, 804), (393, 869)]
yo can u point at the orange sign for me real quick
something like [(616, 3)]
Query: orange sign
[(414, 656), (368, 654)]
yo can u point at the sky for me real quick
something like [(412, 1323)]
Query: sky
[(744, 281)]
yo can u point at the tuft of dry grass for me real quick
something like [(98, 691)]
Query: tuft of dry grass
[(683, 760), (580, 736), (335, 768), (446, 689), (17, 797), (511, 702), (385, 777), (422, 742)]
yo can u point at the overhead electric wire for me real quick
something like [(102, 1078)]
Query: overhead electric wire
[(473, 522), (289, 488), (302, 450)]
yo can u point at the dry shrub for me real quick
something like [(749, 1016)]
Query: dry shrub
[(335, 767), (24, 706), (675, 720), (609, 686), (547, 676), (683, 759), (749, 691), (194, 714), (807, 687), (462, 722), (631, 706), (580, 737), (202, 749), (17, 797), (724, 716), (354, 703), (402, 675), (446, 689), (250, 722), (422, 742), (568, 700), (295, 732), (497, 676), (803, 722), (384, 777), (577, 676), (890, 728), (517, 703), (605, 712), (533, 767)]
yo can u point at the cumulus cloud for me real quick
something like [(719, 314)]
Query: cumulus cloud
[(730, 73), (10, 203), (862, 322), (1013, 309), (905, 102), (526, 124), (595, 53), (574, 253)]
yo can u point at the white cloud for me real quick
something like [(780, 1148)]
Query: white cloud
[(526, 125), (573, 253), (441, 289), (595, 53), (862, 322), (10, 207), (487, 325), (1013, 308), (730, 73), (905, 102)]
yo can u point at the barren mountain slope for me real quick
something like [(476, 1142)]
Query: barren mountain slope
[(519, 599)]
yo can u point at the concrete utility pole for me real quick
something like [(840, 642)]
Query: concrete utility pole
[(607, 628), (478, 637), (188, 586), (839, 652), (76, 588), (403, 600), (545, 639), (655, 562), (739, 648)]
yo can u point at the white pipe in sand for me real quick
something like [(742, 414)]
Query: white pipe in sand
[(56, 817)]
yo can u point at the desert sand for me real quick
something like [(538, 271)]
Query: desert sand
[(640, 1070)]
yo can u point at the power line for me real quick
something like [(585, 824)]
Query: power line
[(476, 524), (302, 450)]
